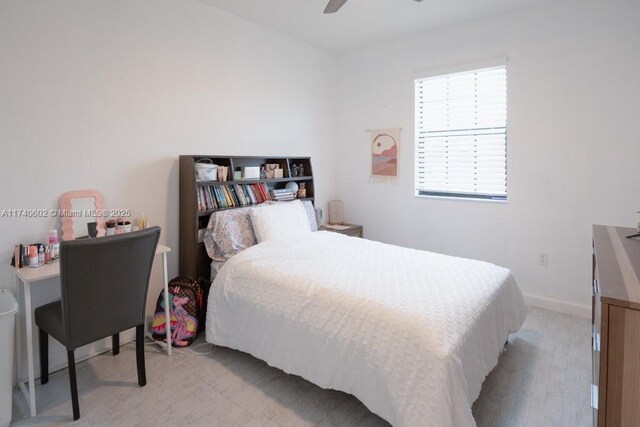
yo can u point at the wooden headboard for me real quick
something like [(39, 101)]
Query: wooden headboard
[(193, 258)]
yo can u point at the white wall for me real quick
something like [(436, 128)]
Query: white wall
[(573, 142), (107, 95)]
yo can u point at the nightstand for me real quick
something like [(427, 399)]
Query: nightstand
[(352, 230)]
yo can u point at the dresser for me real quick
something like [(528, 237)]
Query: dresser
[(615, 393)]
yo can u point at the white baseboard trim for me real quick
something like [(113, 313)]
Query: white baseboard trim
[(559, 306)]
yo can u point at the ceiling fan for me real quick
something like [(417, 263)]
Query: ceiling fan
[(335, 5)]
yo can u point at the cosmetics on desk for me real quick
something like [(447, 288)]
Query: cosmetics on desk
[(37, 254), (92, 229), (111, 227), (121, 225), (25, 255), (124, 226), (33, 256), (54, 244)]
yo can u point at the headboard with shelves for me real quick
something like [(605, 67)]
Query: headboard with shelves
[(194, 215)]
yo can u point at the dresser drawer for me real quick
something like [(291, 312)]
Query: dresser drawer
[(615, 338), (623, 368)]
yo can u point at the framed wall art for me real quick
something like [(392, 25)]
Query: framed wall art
[(385, 145)]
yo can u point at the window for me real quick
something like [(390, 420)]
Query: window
[(461, 135)]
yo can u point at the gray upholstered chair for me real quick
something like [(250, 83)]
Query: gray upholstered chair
[(104, 285)]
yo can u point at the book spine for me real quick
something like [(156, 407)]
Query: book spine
[(212, 202), (237, 194), (241, 196), (265, 192), (230, 191), (236, 197), (207, 203), (246, 194), (221, 201), (200, 202), (251, 195), (227, 195), (213, 197)]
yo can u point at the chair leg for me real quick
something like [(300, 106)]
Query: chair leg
[(44, 356), (74, 384), (142, 375), (115, 344)]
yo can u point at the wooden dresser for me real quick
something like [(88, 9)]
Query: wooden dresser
[(615, 393)]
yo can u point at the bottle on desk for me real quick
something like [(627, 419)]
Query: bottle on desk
[(25, 256), (54, 244), (33, 256)]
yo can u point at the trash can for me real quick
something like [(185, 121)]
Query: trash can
[(8, 309)]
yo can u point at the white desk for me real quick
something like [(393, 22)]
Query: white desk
[(27, 276)]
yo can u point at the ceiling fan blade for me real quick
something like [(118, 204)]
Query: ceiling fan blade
[(334, 6)]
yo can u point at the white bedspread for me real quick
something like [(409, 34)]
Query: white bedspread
[(412, 334)]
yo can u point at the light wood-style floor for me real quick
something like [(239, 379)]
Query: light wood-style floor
[(543, 378)]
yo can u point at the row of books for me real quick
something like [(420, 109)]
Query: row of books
[(231, 196), (282, 195)]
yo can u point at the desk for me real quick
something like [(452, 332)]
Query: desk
[(27, 276)]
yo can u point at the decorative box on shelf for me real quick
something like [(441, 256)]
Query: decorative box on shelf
[(346, 229)]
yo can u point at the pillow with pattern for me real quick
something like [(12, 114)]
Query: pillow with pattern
[(228, 233)]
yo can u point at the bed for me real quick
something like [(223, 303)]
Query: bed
[(410, 333)]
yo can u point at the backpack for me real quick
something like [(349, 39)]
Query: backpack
[(186, 312)]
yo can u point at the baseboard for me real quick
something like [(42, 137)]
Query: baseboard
[(559, 306)]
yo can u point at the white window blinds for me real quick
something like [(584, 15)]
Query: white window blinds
[(461, 134)]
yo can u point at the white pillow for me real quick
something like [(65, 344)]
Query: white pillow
[(280, 221)]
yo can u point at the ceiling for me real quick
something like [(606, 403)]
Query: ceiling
[(362, 22)]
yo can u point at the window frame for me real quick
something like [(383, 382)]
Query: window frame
[(441, 72)]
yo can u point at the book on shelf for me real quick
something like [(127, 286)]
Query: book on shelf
[(281, 191), (234, 197), (227, 196), (252, 195), (222, 201), (283, 195), (285, 198), (263, 192), (248, 194), (221, 196), (240, 193)]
